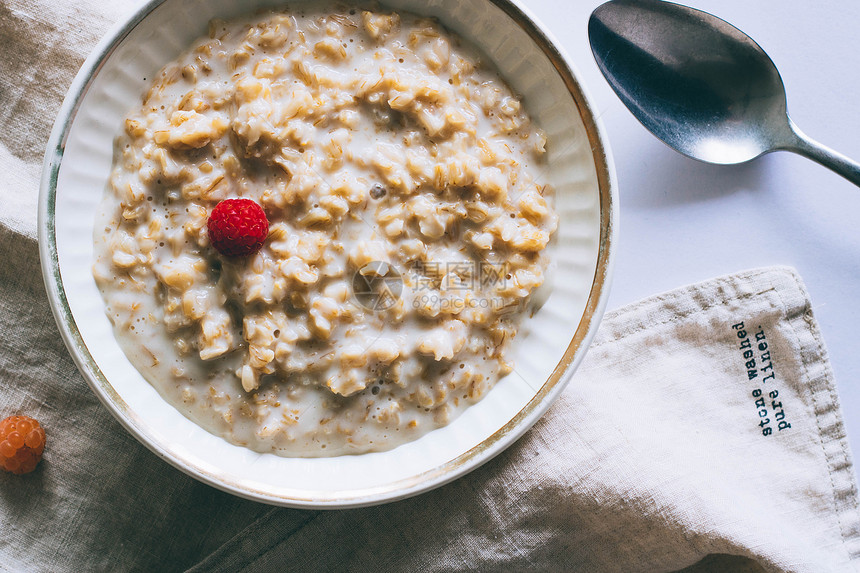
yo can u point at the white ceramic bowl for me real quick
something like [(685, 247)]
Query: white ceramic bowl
[(548, 349)]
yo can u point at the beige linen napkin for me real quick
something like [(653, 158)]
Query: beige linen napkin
[(660, 455)]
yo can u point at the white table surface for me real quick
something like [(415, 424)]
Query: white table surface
[(682, 221)]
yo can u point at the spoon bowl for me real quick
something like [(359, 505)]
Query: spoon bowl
[(699, 84)]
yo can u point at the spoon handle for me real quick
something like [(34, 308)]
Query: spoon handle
[(836, 162)]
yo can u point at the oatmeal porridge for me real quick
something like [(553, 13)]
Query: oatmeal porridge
[(408, 227)]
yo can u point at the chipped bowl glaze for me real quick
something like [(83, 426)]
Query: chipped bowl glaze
[(550, 344)]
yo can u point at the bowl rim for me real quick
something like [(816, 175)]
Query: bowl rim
[(454, 468)]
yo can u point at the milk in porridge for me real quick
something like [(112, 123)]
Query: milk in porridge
[(408, 227)]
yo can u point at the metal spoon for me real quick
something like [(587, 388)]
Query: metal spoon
[(699, 84)]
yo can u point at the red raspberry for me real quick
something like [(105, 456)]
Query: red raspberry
[(238, 227), (22, 441)]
